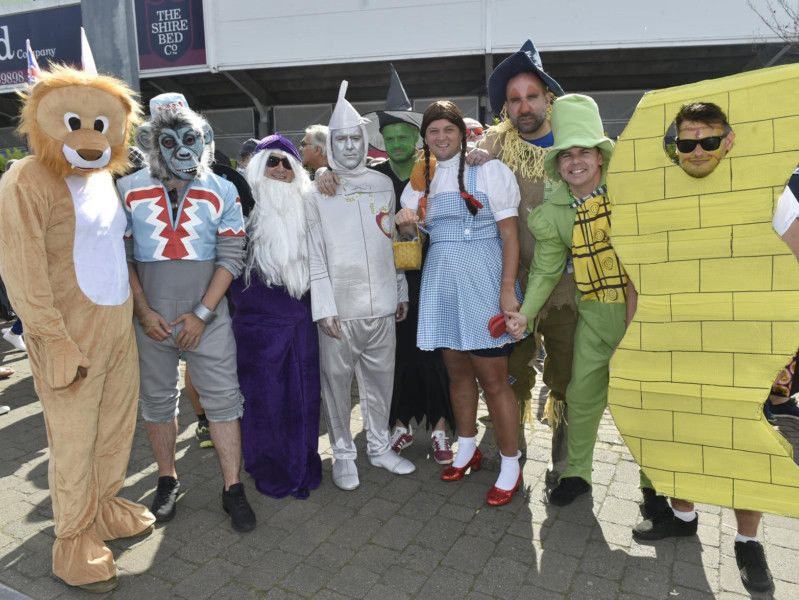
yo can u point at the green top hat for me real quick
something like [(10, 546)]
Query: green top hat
[(576, 122)]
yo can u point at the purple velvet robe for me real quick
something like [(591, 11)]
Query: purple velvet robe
[(278, 367)]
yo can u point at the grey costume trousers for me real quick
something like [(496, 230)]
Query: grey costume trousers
[(366, 348), (173, 288)]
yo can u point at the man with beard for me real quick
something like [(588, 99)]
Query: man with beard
[(273, 326), (521, 91), (356, 296), (187, 240)]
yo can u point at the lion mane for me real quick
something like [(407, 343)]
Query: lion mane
[(48, 149)]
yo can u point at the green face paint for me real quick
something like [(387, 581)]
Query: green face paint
[(400, 140)]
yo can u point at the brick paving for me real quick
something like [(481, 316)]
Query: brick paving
[(394, 537)]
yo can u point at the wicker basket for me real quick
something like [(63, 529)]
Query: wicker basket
[(408, 255)]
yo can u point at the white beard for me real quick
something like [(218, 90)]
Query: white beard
[(277, 233)]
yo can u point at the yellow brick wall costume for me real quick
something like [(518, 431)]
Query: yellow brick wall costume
[(61, 244), (718, 296)]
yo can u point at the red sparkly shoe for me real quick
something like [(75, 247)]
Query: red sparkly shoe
[(498, 497), (457, 473)]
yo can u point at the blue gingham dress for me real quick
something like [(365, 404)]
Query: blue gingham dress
[(462, 273)]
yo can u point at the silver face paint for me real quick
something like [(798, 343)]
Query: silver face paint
[(347, 146)]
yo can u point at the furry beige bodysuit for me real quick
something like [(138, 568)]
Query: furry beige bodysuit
[(62, 259)]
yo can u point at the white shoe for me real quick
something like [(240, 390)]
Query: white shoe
[(345, 474), (14, 339), (393, 462), (4, 409)]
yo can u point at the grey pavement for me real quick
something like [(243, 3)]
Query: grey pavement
[(394, 537)]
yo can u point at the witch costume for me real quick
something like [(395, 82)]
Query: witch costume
[(421, 384)]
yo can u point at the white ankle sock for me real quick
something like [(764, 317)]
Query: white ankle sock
[(744, 538), (686, 516), (509, 472), (466, 449)]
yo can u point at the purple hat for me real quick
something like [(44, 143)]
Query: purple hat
[(278, 142)]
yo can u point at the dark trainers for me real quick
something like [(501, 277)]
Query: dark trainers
[(165, 501), (99, 587), (664, 526), (654, 506), (751, 559), (235, 504), (203, 435), (786, 409), (568, 489)]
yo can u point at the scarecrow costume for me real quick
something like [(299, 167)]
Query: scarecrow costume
[(557, 318)]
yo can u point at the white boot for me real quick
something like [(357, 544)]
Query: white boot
[(345, 474), (393, 462)]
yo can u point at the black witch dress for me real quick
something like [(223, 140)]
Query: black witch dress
[(421, 385)]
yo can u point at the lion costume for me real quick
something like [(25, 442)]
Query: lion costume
[(63, 260)]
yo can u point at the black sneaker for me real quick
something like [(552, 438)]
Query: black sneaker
[(235, 504), (568, 489), (751, 559), (664, 526), (165, 501), (654, 506)]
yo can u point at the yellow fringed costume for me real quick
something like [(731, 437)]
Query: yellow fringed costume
[(62, 258), (718, 305)]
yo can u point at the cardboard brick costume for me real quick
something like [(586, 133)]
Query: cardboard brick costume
[(718, 300), (63, 260)]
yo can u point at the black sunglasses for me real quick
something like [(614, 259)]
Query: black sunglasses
[(708, 143), (274, 161)]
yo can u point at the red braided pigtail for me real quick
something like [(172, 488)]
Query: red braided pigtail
[(421, 211)]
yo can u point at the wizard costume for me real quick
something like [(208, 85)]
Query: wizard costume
[(278, 366)]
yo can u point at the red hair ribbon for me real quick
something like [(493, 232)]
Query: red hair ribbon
[(471, 200)]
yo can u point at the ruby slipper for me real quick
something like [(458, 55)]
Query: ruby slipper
[(498, 497), (457, 473)]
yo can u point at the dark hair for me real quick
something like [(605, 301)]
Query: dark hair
[(445, 109), (247, 148), (703, 112)]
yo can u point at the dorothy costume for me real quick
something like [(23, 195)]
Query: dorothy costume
[(463, 269)]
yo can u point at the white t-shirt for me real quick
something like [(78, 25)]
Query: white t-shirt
[(788, 206), (494, 179)]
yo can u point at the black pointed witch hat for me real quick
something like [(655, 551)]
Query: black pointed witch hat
[(398, 110)]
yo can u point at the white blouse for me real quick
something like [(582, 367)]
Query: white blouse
[(494, 179), (787, 207)]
